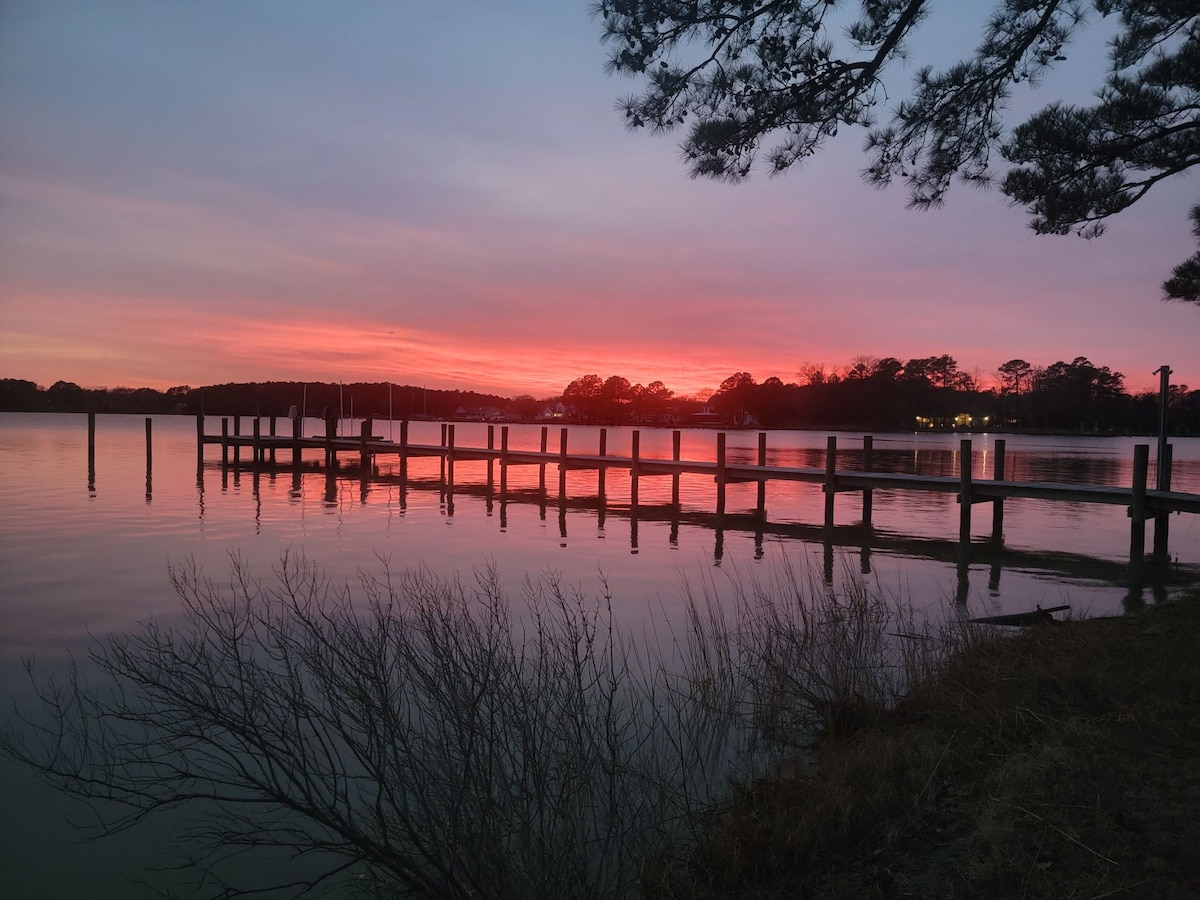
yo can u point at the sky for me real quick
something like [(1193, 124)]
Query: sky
[(444, 194)]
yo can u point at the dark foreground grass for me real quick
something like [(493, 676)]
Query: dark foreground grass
[(1063, 763)]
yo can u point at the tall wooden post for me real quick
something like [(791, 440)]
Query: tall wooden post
[(271, 431), (830, 478), (603, 473), (1162, 520), (562, 465), (491, 465), (720, 474), (868, 496), (403, 449), (503, 466), (237, 447), (964, 492), (200, 440), (634, 468), (297, 430), (442, 456), (998, 503), (1137, 508), (675, 445), (542, 467), (256, 454), (149, 445), (762, 483), (224, 441)]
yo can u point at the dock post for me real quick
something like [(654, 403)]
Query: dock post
[(868, 497), (964, 491), (364, 451), (491, 466), (450, 457), (297, 429), (503, 465), (830, 478), (442, 456), (762, 482), (271, 431), (200, 439), (562, 465), (602, 474), (149, 447), (331, 425), (542, 466), (237, 449), (1137, 508), (998, 503), (403, 450), (634, 454), (256, 454), (720, 473), (224, 441), (1162, 519), (675, 439)]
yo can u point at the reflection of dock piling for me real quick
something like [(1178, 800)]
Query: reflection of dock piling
[(1140, 501)]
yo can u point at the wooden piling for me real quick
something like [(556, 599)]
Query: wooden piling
[(149, 446), (761, 506), (256, 453), (503, 467), (297, 430), (1162, 520), (271, 431), (450, 456), (200, 440), (634, 466), (868, 496), (562, 465), (964, 491), (491, 463), (237, 446), (721, 474), (1137, 506), (403, 449), (224, 442), (542, 467), (602, 473), (998, 503), (830, 478), (675, 447)]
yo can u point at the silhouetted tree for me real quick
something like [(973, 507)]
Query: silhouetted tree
[(1184, 283), (733, 397), (739, 73)]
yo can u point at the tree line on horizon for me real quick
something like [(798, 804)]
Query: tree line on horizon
[(870, 392)]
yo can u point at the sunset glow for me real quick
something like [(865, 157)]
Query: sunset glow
[(448, 198)]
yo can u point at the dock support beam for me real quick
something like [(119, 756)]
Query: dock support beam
[(634, 466), (1137, 507), (998, 503), (761, 506), (721, 478), (868, 497), (830, 478), (1162, 520), (675, 443), (964, 491)]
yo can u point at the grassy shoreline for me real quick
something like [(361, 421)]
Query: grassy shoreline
[(1064, 763)]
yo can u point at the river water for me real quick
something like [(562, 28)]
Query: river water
[(86, 551)]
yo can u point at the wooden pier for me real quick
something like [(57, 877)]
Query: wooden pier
[(1141, 502)]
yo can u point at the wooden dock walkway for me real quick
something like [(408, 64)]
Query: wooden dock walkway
[(1142, 503)]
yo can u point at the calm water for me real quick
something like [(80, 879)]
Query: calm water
[(87, 553)]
